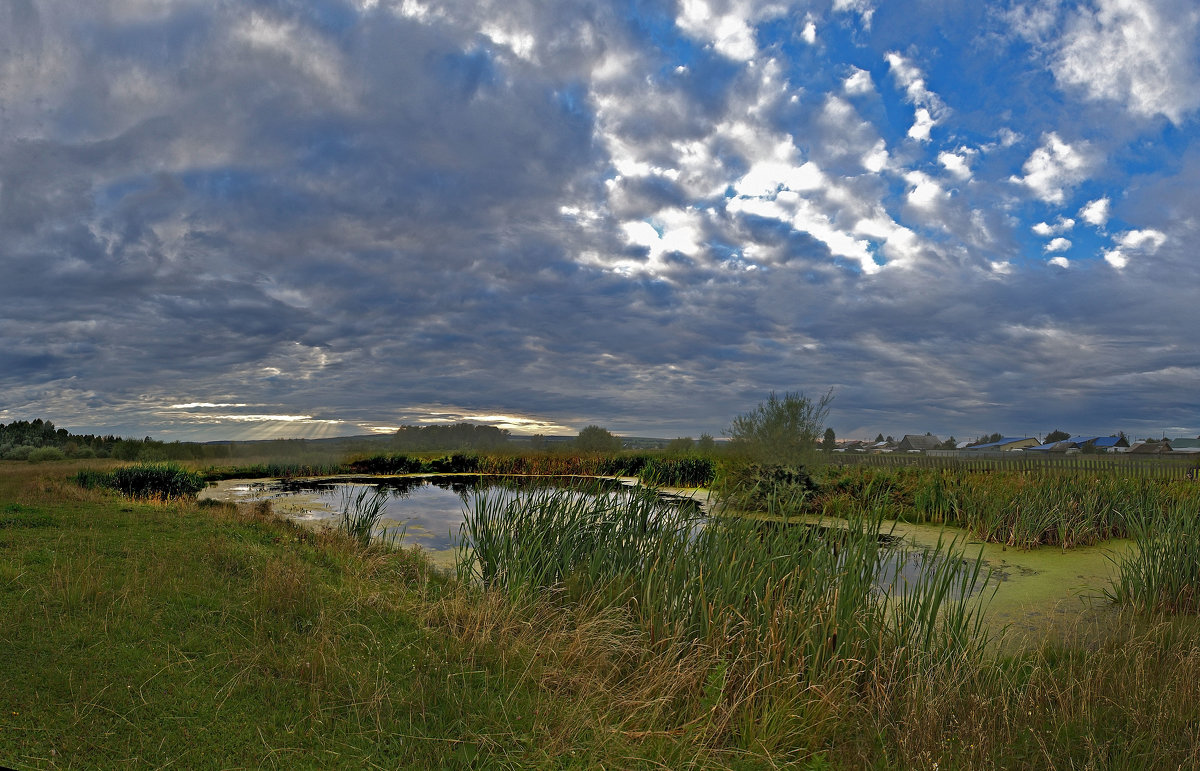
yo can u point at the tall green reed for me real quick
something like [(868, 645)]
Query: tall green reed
[(145, 480), (1064, 508), (1162, 573), (791, 597), (362, 512)]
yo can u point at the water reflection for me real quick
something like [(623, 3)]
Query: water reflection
[(425, 511), (428, 511)]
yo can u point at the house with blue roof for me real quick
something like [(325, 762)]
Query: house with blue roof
[(1007, 444), (1110, 443), (1080, 443)]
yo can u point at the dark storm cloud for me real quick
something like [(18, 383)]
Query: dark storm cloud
[(370, 214)]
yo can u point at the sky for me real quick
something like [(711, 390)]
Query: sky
[(245, 220)]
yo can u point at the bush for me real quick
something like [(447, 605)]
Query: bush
[(46, 453), (597, 439), (387, 464)]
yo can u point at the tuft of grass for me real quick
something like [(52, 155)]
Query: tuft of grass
[(361, 512), (1162, 574)]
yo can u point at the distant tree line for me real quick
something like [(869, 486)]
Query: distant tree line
[(460, 436), (39, 438)]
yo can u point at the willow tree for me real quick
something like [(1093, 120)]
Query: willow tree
[(782, 430)]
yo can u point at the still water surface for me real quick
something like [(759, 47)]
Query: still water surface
[(428, 511)]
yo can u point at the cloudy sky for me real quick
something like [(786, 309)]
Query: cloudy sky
[(256, 219)]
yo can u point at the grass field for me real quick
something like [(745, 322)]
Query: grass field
[(174, 634)]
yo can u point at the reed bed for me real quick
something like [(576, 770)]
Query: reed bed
[(1019, 509), (659, 470), (787, 607), (161, 481), (274, 469)]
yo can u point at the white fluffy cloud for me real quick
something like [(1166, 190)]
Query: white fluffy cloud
[(1140, 53), (1055, 167), (1061, 225), (928, 106), (924, 192), (725, 29), (923, 123), (858, 82), (1095, 212), (957, 163), (1143, 240), (1134, 243), (809, 33)]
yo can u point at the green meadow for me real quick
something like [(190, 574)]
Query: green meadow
[(142, 628)]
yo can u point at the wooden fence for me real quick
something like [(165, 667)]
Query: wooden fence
[(1153, 467)]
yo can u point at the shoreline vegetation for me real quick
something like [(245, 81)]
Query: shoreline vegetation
[(145, 627)]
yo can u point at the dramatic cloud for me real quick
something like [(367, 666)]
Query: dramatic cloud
[(230, 221), (1140, 54)]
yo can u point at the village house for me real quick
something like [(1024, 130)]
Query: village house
[(1007, 444), (916, 443)]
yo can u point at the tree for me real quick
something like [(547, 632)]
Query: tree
[(829, 443), (680, 445), (597, 439), (987, 439), (950, 444), (1056, 436), (878, 438), (780, 430), (706, 445)]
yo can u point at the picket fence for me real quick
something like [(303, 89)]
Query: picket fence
[(1152, 467)]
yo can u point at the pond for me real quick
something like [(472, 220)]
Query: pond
[(427, 511), (421, 511)]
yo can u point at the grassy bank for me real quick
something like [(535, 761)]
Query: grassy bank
[(151, 634)]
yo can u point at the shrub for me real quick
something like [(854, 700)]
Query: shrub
[(781, 430), (19, 452), (387, 464), (597, 439), (46, 453)]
